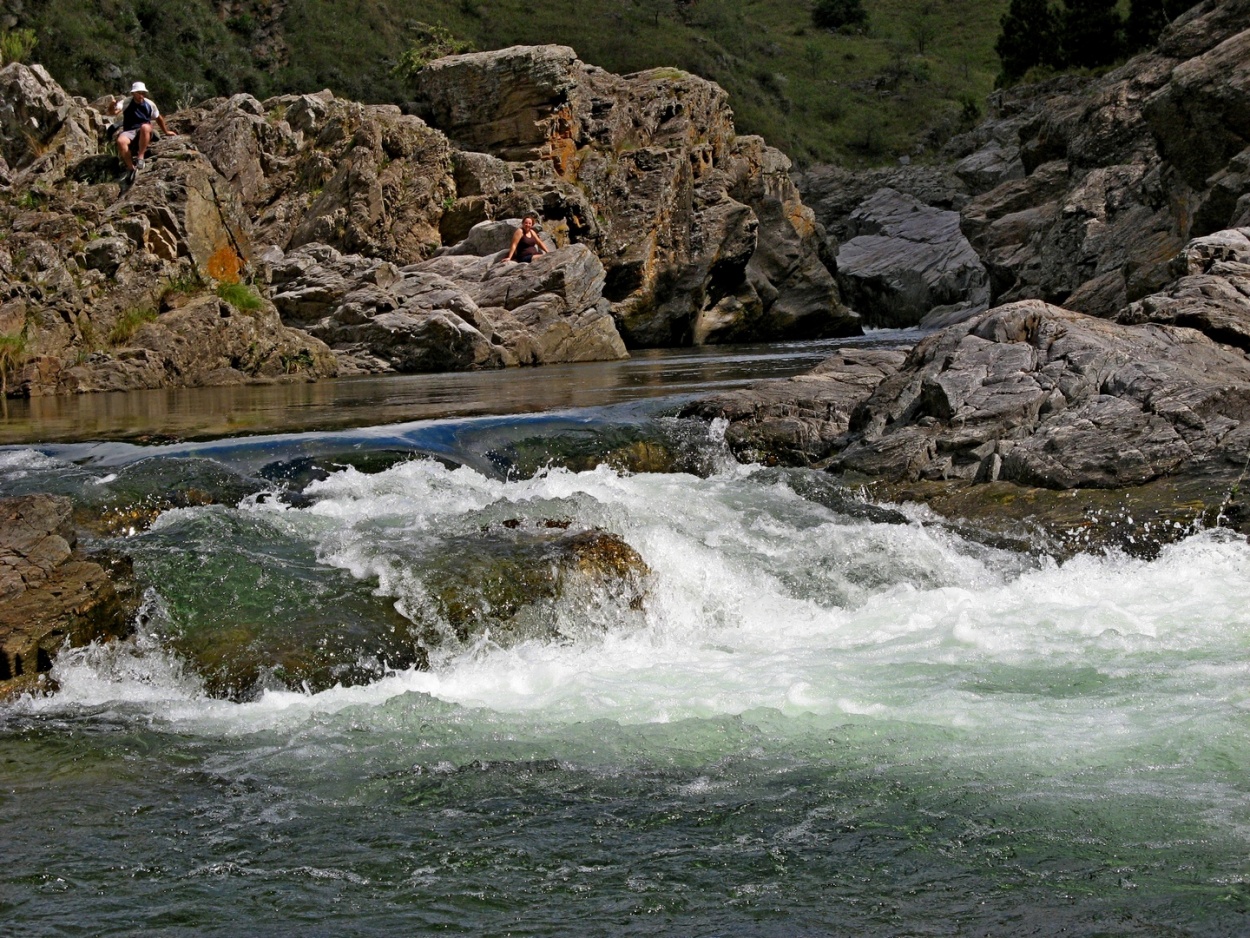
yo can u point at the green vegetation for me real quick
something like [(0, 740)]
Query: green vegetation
[(128, 324), (809, 90), (183, 284), (431, 42), (1041, 36), (839, 14), (13, 346), (16, 45), (240, 296)]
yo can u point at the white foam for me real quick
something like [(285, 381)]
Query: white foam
[(761, 600)]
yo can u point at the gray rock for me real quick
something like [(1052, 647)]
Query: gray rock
[(905, 260), (990, 166), (801, 420), (1064, 401), (453, 312)]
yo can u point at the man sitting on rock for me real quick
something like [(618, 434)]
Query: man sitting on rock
[(137, 113)]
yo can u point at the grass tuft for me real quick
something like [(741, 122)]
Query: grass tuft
[(240, 296)]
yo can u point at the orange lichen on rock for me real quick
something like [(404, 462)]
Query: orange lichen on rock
[(224, 264)]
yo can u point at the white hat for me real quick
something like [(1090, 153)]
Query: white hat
[(138, 86)]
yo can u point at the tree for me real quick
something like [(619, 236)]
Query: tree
[(1091, 33), (1147, 18), (1029, 37), (835, 14), (433, 41)]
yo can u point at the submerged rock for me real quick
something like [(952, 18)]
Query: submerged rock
[(505, 584)]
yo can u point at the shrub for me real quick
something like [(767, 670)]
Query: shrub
[(12, 357), (432, 42), (128, 324), (836, 14), (240, 296), (16, 45)]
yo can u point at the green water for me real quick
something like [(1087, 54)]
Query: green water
[(823, 719)]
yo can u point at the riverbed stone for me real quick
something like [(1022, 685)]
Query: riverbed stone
[(51, 595)]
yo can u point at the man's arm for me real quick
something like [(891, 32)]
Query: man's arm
[(165, 130)]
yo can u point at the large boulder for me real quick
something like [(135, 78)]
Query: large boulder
[(365, 179), (206, 342), (1037, 395), (907, 262), (51, 595), (801, 420), (701, 233), (41, 127), (453, 312)]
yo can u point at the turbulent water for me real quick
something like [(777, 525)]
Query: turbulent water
[(819, 721)]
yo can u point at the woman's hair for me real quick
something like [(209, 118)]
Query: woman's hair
[(531, 216)]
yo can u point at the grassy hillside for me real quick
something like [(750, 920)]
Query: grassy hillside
[(921, 69)]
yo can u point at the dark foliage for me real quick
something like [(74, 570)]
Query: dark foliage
[(835, 14), (1147, 18), (1091, 33), (1029, 37)]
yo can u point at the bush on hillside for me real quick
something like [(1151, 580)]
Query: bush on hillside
[(835, 14), (1147, 19)]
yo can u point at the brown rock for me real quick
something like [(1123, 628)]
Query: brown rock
[(50, 595)]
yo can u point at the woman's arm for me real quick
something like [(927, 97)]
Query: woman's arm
[(516, 239)]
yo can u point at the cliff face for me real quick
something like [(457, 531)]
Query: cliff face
[(1112, 217), (686, 233), (703, 236), (1080, 192)]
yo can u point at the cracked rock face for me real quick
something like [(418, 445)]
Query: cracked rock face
[(1034, 394), (702, 235), (50, 594), (907, 263), (456, 311), (1080, 191)]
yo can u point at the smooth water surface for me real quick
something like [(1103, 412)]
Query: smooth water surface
[(201, 413)]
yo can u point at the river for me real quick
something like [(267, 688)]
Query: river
[(820, 720)]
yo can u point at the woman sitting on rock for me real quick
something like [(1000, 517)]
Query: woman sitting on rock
[(526, 244)]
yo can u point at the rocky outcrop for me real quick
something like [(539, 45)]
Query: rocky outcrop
[(1083, 190), (907, 263), (702, 234), (801, 420), (688, 233), (1033, 394), (1212, 296), (50, 594), (983, 418), (453, 312)]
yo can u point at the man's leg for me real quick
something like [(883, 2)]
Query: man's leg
[(123, 149), (145, 137)]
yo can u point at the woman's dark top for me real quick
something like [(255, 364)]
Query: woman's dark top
[(527, 248)]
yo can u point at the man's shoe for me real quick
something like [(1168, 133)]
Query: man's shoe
[(139, 163), (130, 177)]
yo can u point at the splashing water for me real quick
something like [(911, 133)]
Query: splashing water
[(815, 723)]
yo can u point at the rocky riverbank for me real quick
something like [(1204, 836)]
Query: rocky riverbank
[(1106, 223), (307, 236)]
